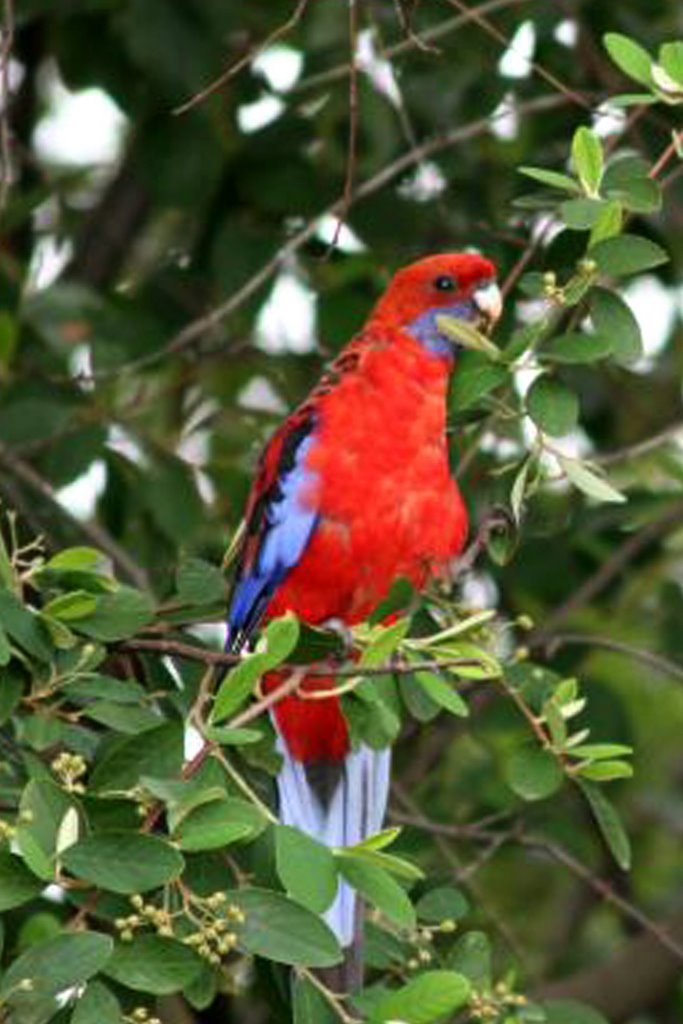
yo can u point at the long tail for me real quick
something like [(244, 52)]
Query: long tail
[(339, 803)]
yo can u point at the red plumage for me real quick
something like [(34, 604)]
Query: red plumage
[(388, 505)]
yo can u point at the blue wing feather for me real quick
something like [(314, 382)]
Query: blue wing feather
[(280, 527)]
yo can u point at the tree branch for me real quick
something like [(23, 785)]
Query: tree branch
[(608, 571), (92, 531)]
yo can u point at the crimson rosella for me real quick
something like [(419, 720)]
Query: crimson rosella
[(354, 491)]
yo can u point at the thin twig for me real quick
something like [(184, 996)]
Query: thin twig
[(235, 68), (416, 155), (604, 890), (413, 42), (656, 661), (608, 570), (495, 33), (352, 144), (188, 652), (670, 151), (479, 832), (5, 84), (633, 451), (95, 533)]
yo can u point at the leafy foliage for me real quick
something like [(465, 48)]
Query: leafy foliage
[(143, 870)]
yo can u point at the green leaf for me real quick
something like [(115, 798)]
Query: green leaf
[(76, 605), (5, 649), (581, 214), (11, 691), (587, 159), (122, 717), (534, 774), (444, 903), (613, 319), (56, 965), (279, 929), (379, 840), (118, 615), (629, 56), (97, 1005), (430, 997), (306, 868), (627, 179), (378, 888), (670, 57), (477, 376), (442, 693), (170, 495), (219, 823), (23, 627), (386, 861), (17, 884), (633, 99), (608, 224), (552, 406), (124, 862), (578, 348), (550, 178), (627, 254), (569, 1011), (384, 641), (228, 737), (309, 1005), (126, 760), (42, 810), (471, 956), (239, 684), (79, 558), (605, 771), (153, 964), (589, 482), (199, 582), (609, 823), (600, 751), (281, 638)]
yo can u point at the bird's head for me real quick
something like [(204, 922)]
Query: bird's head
[(458, 285)]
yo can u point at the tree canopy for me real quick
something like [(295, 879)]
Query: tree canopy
[(166, 299)]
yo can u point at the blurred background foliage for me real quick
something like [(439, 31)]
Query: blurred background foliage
[(173, 282)]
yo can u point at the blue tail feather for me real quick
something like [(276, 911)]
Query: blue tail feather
[(354, 811)]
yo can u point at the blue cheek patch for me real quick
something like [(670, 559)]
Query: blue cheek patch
[(423, 328)]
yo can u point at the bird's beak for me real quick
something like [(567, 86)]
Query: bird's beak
[(488, 304)]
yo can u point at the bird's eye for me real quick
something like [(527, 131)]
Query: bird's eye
[(444, 283)]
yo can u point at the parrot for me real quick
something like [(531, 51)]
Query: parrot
[(352, 493)]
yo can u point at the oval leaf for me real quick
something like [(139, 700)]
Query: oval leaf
[(432, 996), (277, 928), (306, 868), (154, 964), (124, 862), (534, 774), (552, 406), (627, 254)]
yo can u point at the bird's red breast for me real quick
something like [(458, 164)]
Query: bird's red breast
[(375, 499)]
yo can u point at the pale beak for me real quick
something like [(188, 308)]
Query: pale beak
[(489, 302)]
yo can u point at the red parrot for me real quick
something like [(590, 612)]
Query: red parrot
[(354, 491)]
